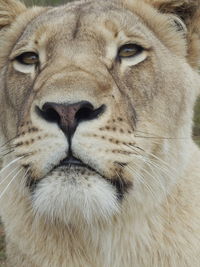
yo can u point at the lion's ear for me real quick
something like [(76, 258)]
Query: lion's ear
[(178, 23), (186, 15), (9, 10)]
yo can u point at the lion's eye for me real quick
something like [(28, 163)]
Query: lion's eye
[(129, 50), (28, 58)]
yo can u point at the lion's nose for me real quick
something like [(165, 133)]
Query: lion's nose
[(68, 116)]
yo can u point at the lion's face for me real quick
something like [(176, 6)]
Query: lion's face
[(98, 100)]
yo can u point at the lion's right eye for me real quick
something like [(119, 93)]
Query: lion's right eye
[(28, 58), (129, 50)]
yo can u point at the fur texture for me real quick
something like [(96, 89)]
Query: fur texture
[(134, 199)]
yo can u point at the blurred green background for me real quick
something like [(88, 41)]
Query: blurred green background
[(45, 2), (197, 122)]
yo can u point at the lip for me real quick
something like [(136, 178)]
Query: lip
[(120, 185), (71, 161)]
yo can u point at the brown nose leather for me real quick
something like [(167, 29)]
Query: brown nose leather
[(68, 116)]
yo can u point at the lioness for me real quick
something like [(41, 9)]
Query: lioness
[(96, 105)]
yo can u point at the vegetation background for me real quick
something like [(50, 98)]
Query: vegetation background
[(196, 119), (45, 2)]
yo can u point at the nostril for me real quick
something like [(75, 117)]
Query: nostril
[(52, 115), (84, 113), (88, 113), (48, 113), (68, 116)]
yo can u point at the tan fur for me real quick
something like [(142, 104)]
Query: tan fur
[(142, 141), (189, 11)]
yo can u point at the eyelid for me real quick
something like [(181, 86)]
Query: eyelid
[(28, 56), (21, 51), (134, 39), (132, 46), (145, 46)]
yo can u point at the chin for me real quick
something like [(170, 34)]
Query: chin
[(74, 195)]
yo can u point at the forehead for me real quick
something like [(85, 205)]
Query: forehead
[(89, 21)]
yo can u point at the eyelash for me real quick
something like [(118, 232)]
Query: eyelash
[(130, 50), (25, 58)]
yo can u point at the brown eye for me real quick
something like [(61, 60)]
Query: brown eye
[(28, 58), (129, 50)]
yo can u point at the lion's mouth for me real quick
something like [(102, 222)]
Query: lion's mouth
[(74, 163), (71, 161), (66, 163)]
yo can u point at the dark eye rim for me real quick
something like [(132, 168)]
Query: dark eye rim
[(20, 58), (138, 47)]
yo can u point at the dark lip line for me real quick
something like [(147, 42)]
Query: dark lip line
[(121, 185), (33, 183), (75, 162)]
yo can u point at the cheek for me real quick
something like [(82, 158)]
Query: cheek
[(17, 87)]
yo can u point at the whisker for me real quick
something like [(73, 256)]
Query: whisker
[(163, 138), (121, 182), (24, 155), (23, 181), (152, 155), (154, 136), (165, 192), (8, 175), (5, 189), (9, 152), (152, 176), (6, 149), (7, 142), (166, 167), (141, 179), (6, 146), (158, 169), (12, 162)]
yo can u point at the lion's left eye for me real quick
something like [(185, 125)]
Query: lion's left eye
[(28, 58), (129, 50)]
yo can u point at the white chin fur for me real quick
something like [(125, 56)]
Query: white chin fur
[(75, 199)]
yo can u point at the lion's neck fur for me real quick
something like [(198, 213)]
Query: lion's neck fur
[(131, 239)]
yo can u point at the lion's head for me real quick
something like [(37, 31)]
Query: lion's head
[(96, 104)]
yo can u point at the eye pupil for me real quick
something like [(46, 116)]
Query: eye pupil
[(28, 58), (129, 50)]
